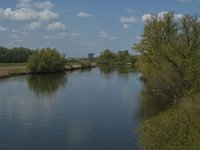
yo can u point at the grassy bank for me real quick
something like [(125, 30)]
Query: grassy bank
[(12, 64), (13, 69), (176, 129)]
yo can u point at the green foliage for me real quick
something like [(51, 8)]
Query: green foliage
[(46, 60), (176, 129), (170, 62), (122, 57), (106, 57), (14, 55), (170, 58)]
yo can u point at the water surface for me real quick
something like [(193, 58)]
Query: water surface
[(95, 109)]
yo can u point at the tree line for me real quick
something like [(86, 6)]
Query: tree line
[(120, 58), (14, 55)]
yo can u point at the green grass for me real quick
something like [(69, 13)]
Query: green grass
[(12, 64), (176, 129), (10, 69)]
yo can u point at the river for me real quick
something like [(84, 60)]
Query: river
[(93, 109)]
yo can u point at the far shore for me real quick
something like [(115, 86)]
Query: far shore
[(18, 70)]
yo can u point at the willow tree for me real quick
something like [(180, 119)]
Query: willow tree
[(46, 60), (169, 54)]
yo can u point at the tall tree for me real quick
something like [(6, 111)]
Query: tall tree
[(169, 54)]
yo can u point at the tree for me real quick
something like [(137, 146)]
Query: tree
[(120, 58), (14, 55), (46, 60), (169, 55), (106, 57)]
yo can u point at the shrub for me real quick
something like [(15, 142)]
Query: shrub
[(46, 60), (176, 129)]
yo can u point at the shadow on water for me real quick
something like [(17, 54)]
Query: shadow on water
[(46, 84), (150, 105)]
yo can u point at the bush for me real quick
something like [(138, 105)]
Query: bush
[(175, 129), (46, 60)]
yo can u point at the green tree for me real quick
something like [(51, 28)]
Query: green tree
[(14, 55), (46, 60), (106, 57), (169, 55), (121, 57)]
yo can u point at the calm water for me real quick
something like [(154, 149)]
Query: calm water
[(96, 109)]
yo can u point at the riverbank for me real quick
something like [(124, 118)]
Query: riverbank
[(17, 69)]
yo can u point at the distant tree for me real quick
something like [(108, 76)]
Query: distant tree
[(121, 57), (14, 55), (106, 57), (46, 60)]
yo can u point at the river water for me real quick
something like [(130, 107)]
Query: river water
[(94, 109)]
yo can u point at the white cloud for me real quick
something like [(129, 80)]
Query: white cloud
[(56, 26), (146, 17), (34, 26), (160, 16), (27, 10), (84, 14), (24, 4), (36, 5), (47, 15), (103, 34), (126, 26), (107, 35), (25, 14), (75, 35), (43, 5), (178, 16), (3, 29), (127, 21)]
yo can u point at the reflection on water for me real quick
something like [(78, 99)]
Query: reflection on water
[(121, 70), (150, 105), (88, 109), (85, 70), (46, 84)]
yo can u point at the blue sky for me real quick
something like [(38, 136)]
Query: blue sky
[(77, 27)]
